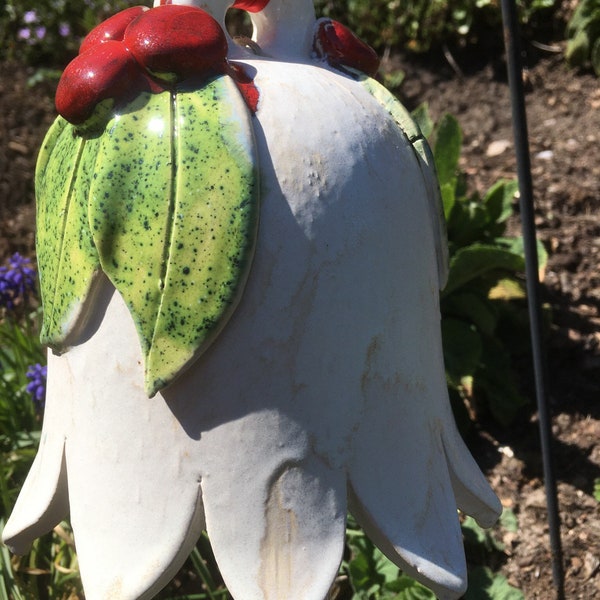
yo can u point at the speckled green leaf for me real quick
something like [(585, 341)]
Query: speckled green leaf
[(67, 259), (214, 225), (174, 212), (130, 201)]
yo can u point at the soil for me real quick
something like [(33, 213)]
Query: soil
[(564, 129)]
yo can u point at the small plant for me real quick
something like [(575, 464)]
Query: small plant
[(583, 36), (373, 577), (481, 304), (482, 547)]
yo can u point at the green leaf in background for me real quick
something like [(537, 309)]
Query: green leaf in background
[(509, 521), (473, 261), (469, 222), (485, 585), (448, 191), (578, 49), (597, 489), (475, 535), (374, 577), (499, 200), (595, 57), (496, 380), (447, 148), (8, 588), (583, 35), (406, 588), (393, 79), (423, 119), (462, 349), (368, 568), (516, 246), (471, 306)]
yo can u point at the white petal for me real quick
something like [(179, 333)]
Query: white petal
[(135, 497), (43, 501), (272, 507), (402, 496), (473, 493)]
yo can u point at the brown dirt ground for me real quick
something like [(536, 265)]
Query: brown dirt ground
[(564, 126)]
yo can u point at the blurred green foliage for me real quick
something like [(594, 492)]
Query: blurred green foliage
[(419, 25), (48, 32), (483, 311), (583, 36)]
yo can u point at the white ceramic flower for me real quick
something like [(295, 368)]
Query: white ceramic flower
[(323, 391)]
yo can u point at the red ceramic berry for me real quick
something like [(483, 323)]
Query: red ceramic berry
[(252, 6), (341, 47), (245, 84), (111, 29), (176, 42), (108, 70)]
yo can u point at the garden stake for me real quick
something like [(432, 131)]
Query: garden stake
[(515, 79)]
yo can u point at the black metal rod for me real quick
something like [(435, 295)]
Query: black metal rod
[(515, 80)]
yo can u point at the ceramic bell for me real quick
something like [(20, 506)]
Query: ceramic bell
[(240, 252)]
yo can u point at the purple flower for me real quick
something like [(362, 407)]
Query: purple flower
[(17, 281), (37, 383), (30, 16), (24, 33), (64, 29), (40, 32)]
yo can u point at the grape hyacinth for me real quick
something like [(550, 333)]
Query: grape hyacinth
[(17, 281), (36, 374)]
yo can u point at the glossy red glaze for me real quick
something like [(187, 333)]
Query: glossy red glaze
[(252, 6), (111, 29), (177, 40), (108, 70), (341, 47)]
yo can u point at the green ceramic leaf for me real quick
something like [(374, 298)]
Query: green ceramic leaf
[(67, 259), (173, 210), (130, 201), (213, 228), (394, 107)]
